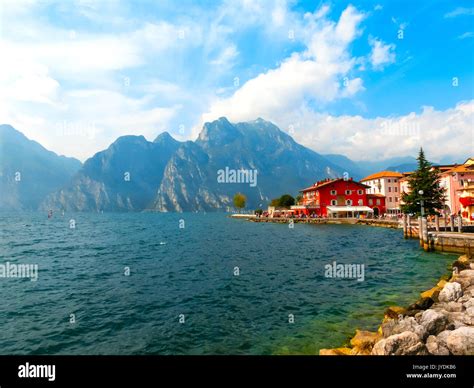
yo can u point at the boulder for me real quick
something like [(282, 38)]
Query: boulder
[(365, 340), (432, 294), (451, 292), (394, 311), (425, 302), (393, 327), (461, 264), (406, 343), (461, 341), (441, 283), (453, 306), (435, 347), (433, 322)]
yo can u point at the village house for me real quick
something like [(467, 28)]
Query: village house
[(387, 184), (335, 198)]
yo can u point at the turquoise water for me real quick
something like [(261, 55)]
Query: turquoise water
[(190, 271)]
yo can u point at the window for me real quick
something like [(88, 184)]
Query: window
[(371, 201), (395, 189), (349, 202), (389, 199), (361, 202), (333, 202), (389, 181), (360, 192), (395, 180), (389, 189), (378, 201), (348, 192), (396, 199), (333, 192)]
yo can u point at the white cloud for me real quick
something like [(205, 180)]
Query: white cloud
[(466, 35), (460, 11), (319, 73), (441, 133), (382, 54)]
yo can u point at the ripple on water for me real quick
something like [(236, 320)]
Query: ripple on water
[(82, 273)]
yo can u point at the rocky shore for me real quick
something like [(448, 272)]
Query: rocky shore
[(441, 322)]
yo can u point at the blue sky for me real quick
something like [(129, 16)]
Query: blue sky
[(341, 77)]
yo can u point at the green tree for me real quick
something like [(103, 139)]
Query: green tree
[(240, 200), (298, 198), (286, 200), (425, 178)]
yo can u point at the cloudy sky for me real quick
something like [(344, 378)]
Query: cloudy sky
[(367, 79)]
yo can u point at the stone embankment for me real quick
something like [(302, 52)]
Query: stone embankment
[(441, 322)]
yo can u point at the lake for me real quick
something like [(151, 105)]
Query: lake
[(168, 283)]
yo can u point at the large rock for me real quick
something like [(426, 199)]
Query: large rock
[(393, 327), (406, 343), (451, 292), (394, 312), (435, 347), (432, 293), (461, 341), (433, 322), (364, 340)]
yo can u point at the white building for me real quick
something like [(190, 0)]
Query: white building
[(386, 183)]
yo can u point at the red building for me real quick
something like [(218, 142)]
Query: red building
[(337, 198), (377, 203)]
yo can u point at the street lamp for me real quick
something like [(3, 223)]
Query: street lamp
[(422, 203)]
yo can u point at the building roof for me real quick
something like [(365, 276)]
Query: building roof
[(383, 174), (462, 168), (324, 183)]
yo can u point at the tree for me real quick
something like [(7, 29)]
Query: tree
[(298, 198), (286, 200), (425, 178), (240, 200)]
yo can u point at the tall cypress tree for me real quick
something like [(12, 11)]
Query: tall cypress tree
[(425, 178)]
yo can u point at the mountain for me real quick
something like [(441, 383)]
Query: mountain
[(363, 168), (353, 168), (28, 171), (124, 177), (167, 175), (190, 181)]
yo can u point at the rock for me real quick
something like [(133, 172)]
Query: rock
[(469, 302), (435, 347), (394, 311), (461, 264), (450, 292), (432, 294), (335, 352), (459, 319), (425, 302), (470, 311), (442, 283), (393, 327), (461, 341), (356, 351), (433, 322), (365, 340), (406, 343), (453, 306)]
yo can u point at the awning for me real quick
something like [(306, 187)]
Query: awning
[(335, 209), (467, 201)]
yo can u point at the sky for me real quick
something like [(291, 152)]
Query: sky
[(367, 79)]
